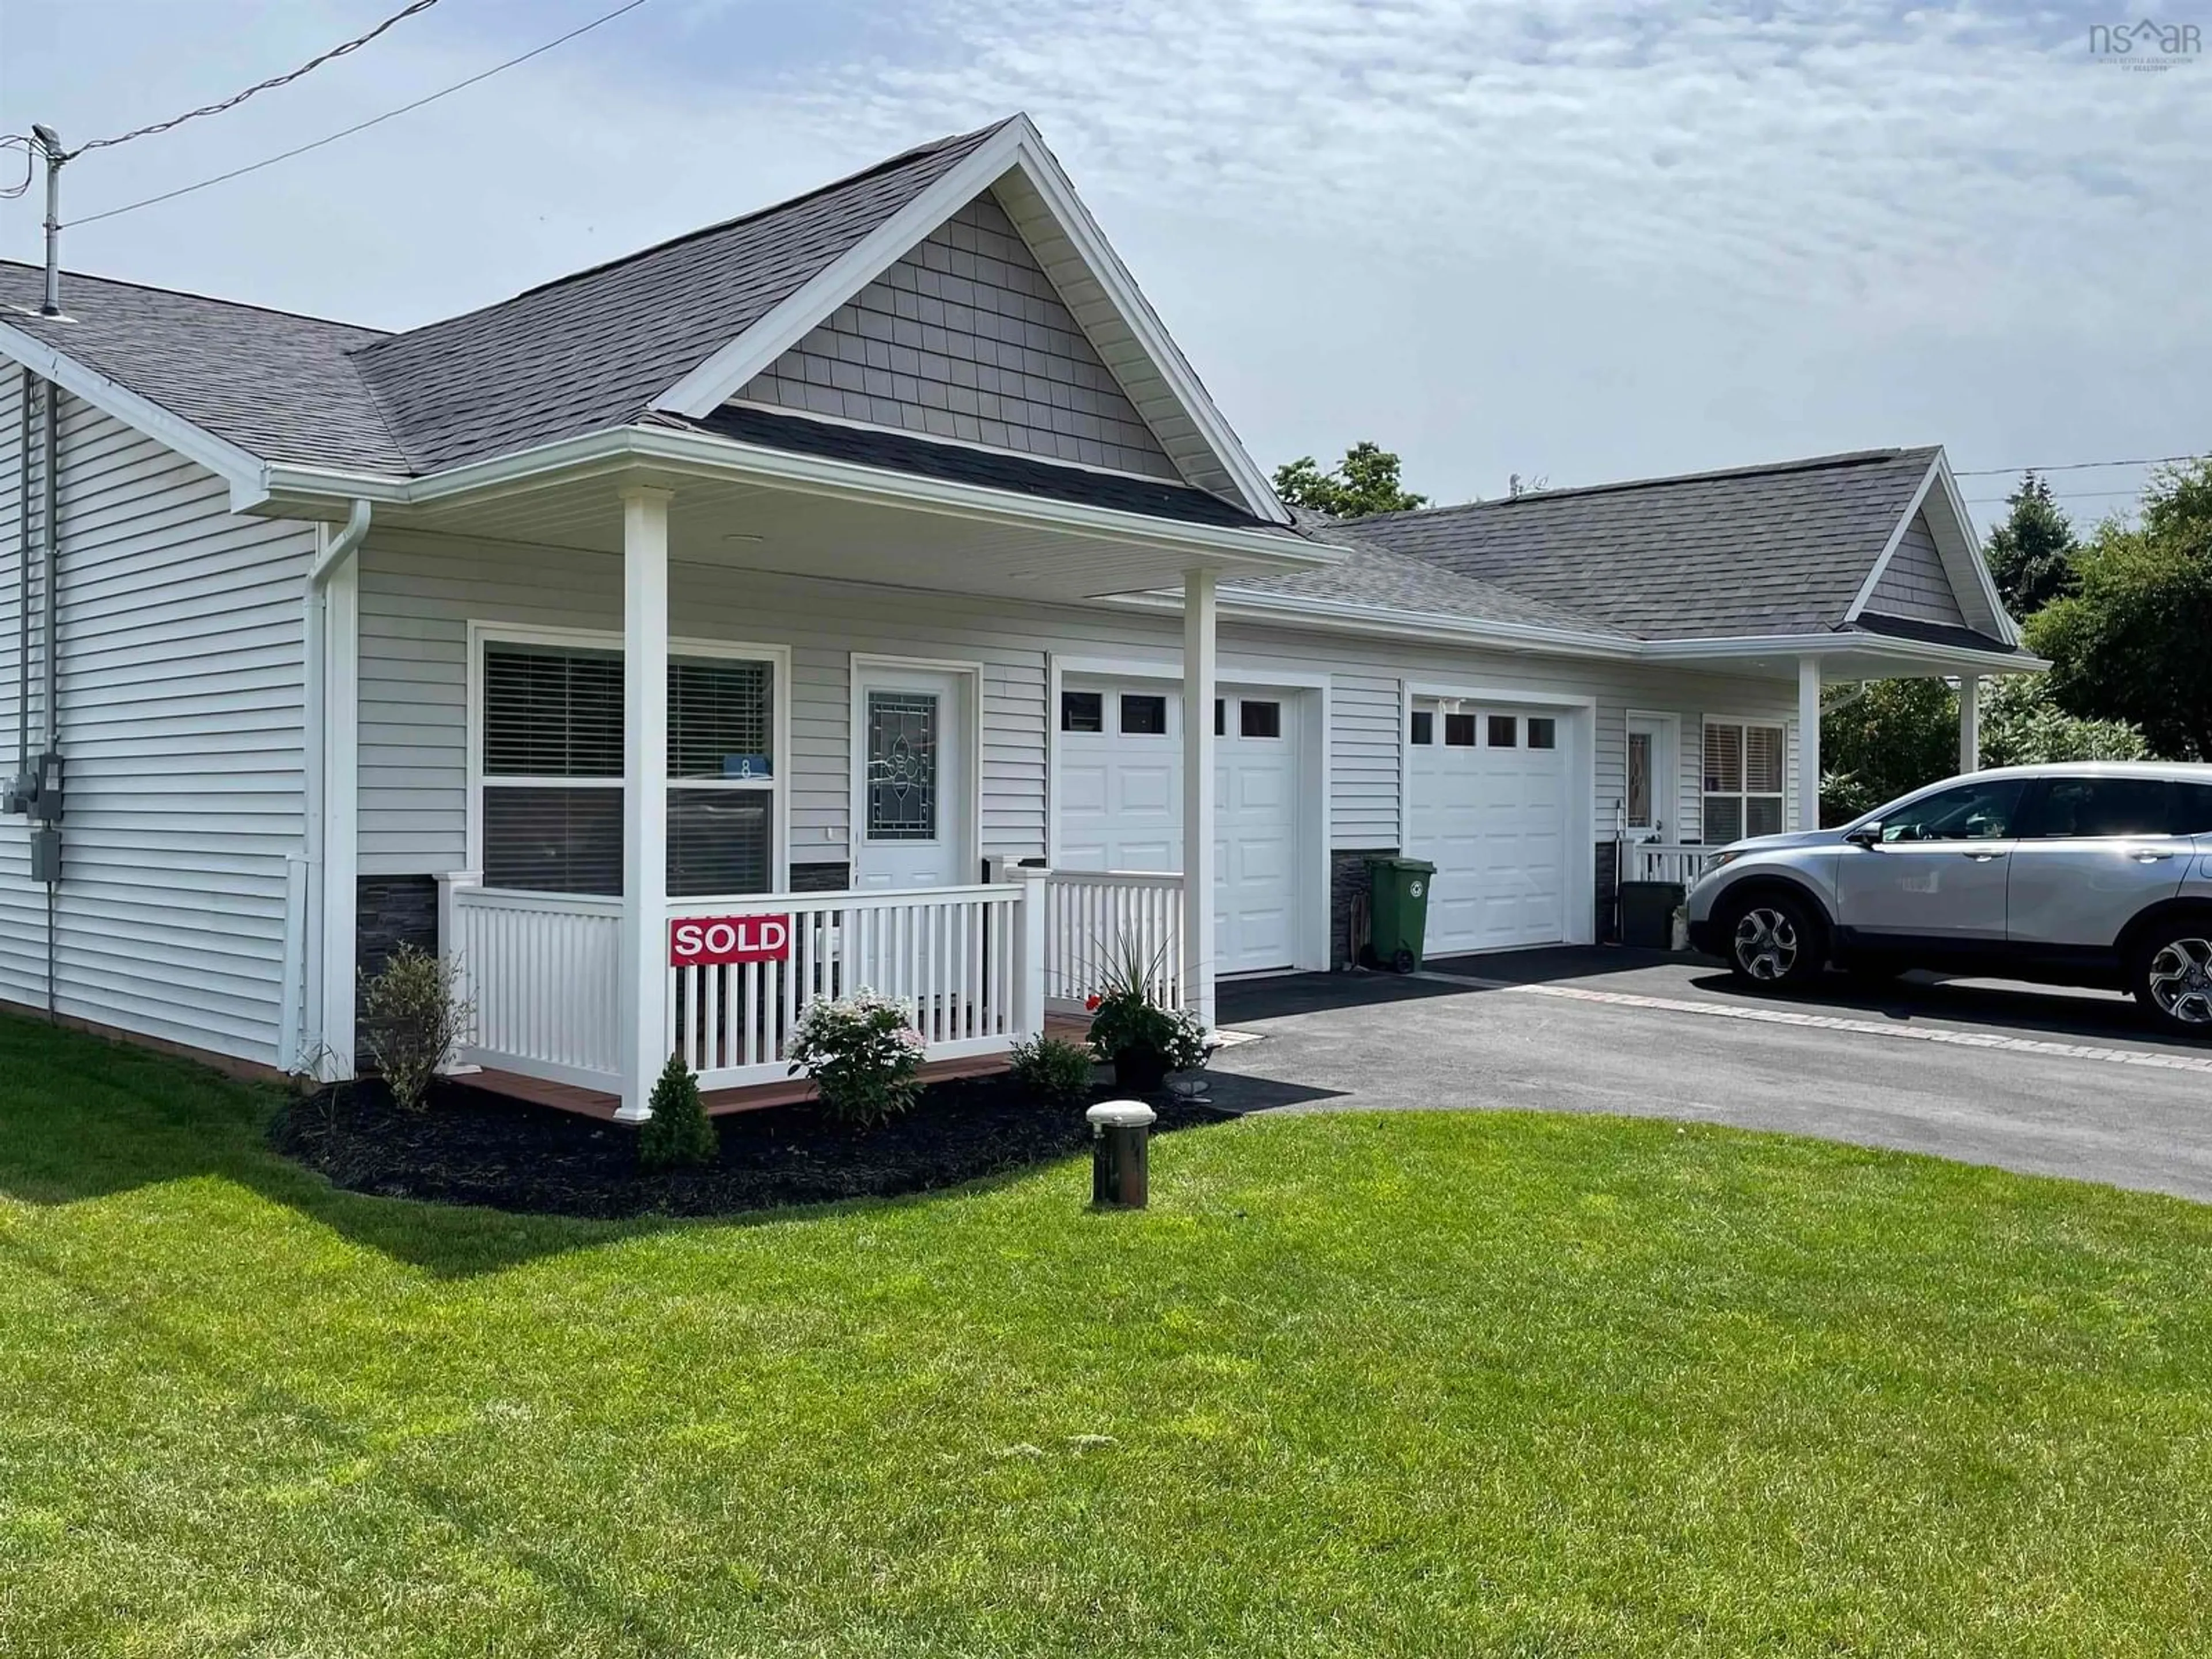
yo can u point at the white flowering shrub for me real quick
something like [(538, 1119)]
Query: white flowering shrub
[(862, 1054)]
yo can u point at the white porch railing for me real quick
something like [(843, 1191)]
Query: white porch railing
[(1651, 860), (545, 972), (1094, 919), (954, 955)]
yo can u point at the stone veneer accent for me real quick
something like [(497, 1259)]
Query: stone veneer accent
[(1347, 904), (390, 911)]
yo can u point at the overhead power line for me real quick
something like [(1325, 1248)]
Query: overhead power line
[(2072, 467), (361, 126), (270, 85)]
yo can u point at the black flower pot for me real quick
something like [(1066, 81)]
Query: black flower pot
[(1141, 1071)]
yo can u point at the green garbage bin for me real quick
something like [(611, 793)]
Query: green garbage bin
[(1398, 911)]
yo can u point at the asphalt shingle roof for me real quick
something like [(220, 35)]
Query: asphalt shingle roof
[(280, 387), (1775, 550), (593, 350), (1376, 577)]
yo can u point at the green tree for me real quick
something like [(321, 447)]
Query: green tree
[(1897, 735), (1889, 736), (1366, 480), (679, 1132), (2031, 555), (2023, 725), (2130, 643)]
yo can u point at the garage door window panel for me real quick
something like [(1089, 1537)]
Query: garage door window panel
[(1259, 717), (1505, 732), (1083, 711), (1459, 731), (1423, 728), (1143, 714)]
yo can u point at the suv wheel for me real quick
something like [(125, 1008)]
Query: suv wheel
[(1774, 940), (2174, 976)]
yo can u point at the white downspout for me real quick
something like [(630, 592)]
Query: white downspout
[(303, 932)]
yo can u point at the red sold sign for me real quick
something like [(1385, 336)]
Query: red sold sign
[(711, 941)]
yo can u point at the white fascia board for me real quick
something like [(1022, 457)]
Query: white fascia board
[(1837, 645), (1016, 145), (1344, 616), (706, 455), (245, 474)]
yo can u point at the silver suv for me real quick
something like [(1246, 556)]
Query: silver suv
[(2071, 875)]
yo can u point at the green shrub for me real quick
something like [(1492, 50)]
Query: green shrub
[(679, 1132), (413, 1020), (862, 1053), (1057, 1071)]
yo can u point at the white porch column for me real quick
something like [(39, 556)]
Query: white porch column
[(645, 796), (1808, 743), (1970, 723), (1198, 664)]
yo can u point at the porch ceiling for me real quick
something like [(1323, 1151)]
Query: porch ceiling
[(1011, 549)]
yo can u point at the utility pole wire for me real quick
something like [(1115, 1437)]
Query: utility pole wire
[(270, 85), (2074, 467), (359, 126)]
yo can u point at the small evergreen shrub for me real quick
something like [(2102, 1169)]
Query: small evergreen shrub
[(679, 1133), (1057, 1071), (413, 1020), (862, 1054)]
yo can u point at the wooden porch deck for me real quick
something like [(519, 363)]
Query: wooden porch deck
[(720, 1102)]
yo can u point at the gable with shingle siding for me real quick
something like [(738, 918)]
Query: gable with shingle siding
[(1915, 586), (966, 338)]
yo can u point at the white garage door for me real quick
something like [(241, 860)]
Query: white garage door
[(1487, 803), (1119, 799)]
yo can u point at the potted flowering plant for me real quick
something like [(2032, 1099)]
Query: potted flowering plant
[(1140, 1037)]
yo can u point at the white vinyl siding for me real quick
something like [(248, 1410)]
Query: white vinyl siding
[(419, 595), (181, 644)]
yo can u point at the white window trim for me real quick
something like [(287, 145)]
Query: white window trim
[(778, 657), (1777, 723)]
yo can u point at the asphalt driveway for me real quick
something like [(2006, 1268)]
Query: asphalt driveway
[(2039, 1081)]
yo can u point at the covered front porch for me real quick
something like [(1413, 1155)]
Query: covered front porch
[(1875, 648), (590, 920)]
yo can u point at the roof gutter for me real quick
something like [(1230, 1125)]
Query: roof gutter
[(1837, 645), (1344, 615)]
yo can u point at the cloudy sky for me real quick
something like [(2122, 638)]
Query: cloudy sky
[(1578, 240)]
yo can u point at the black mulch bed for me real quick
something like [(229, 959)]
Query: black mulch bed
[(468, 1146)]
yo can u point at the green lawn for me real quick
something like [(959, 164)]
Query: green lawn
[(1406, 1385)]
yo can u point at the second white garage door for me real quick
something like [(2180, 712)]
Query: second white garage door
[(1487, 803), (1118, 796)]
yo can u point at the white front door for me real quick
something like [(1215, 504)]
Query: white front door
[(913, 795), (1650, 802)]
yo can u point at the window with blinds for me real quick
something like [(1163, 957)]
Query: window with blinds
[(552, 768), (1746, 779), (552, 774)]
